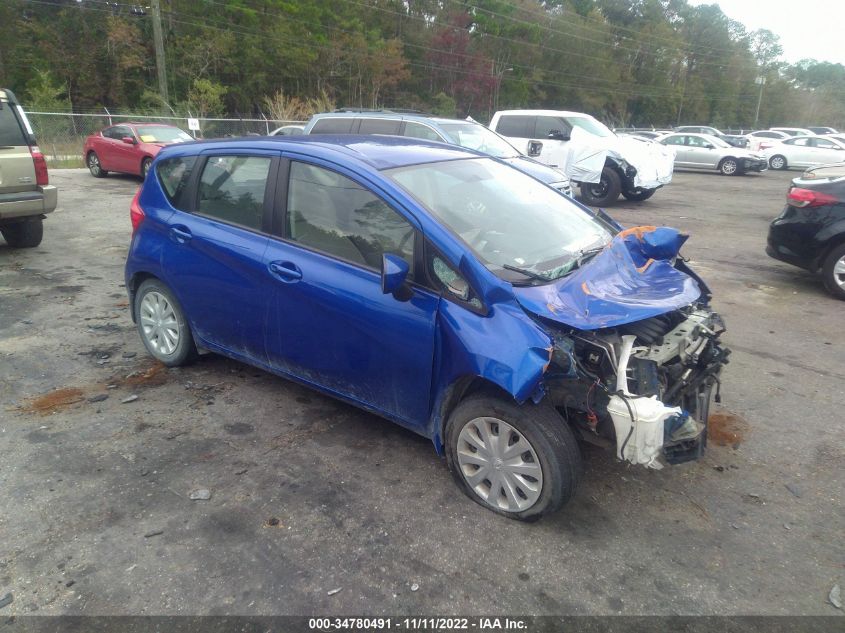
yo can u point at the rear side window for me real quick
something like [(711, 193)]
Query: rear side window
[(331, 213), (515, 125), (232, 188), (332, 125), (380, 126), (174, 174), (11, 132)]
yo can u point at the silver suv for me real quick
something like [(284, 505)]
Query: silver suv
[(26, 194)]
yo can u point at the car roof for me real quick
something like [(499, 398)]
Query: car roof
[(376, 151), (391, 115), (542, 113)]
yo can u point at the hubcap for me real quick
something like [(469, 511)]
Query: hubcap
[(729, 167), (94, 162), (159, 325), (839, 272), (499, 464), (777, 163)]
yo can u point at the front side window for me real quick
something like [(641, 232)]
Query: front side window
[(333, 214), (174, 174), (380, 126), (232, 188), (824, 143), (418, 130), (519, 228), (477, 137), (589, 124)]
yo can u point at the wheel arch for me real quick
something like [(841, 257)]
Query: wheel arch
[(132, 285), (833, 242)]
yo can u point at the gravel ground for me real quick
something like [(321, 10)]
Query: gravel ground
[(309, 495)]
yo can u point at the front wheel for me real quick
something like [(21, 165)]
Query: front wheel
[(145, 167), (603, 192), (25, 234), (94, 166), (162, 324), (833, 272), (519, 461), (638, 194), (729, 167), (777, 162)]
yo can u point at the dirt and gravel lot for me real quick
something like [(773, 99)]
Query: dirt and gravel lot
[(309, 495)]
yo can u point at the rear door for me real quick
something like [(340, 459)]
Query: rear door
[(678, 143), (330, 323), (17, 171), (519, 128), (215, 254)]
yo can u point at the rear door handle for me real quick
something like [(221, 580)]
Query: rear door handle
[(180, 234), (285, 271)]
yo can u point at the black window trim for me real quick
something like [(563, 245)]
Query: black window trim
[(280, 219), (405, 122), (269, 189), (430, 251)]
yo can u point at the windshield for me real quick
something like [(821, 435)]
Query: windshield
[(589, 124), (162, 134), (478, 137), (507, 218)]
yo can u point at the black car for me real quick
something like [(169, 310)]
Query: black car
[(810, 233)]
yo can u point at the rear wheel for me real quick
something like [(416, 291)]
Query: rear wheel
[(777, 162), (26, 234), (604, 192), (162, 324), (638, 194), (519, 461), (729, 167), (833, 272), (93, 162)]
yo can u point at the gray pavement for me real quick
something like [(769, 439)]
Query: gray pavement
[(309, 495)]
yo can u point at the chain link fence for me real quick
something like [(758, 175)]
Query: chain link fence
[(61, 135)]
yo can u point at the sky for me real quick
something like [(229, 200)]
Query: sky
[(807, 28)]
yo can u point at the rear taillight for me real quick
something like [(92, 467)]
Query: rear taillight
[(136, 213), (41, 177), (801, 198)]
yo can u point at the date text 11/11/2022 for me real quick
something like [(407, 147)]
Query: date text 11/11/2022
[(418, 624)]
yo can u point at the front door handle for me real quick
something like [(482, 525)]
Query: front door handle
[(180, 234), (285, 271)]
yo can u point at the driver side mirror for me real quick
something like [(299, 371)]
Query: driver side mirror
[(557, 135), (394, 275), (128, 140), (535, 148), (708, 146)]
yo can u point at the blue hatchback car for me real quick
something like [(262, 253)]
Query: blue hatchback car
[(437, 287)]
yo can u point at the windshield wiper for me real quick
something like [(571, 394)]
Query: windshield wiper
[(526, 272)]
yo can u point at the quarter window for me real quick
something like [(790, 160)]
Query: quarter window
[(173, 174), (333, 214), (232, 188)]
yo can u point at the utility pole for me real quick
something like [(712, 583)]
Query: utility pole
[(762, 82), (158, 38)]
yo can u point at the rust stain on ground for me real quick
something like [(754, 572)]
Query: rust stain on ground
[(53, 401), (151, 376), (726, 429)]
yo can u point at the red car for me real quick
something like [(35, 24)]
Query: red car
[(129, 148)]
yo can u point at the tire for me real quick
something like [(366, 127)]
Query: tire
[(162, 325), (25, 234), (778, 162), (729, 167), (93, 162), (604, 192), (549, 442), (145, 167), (638, 195), (833, 272)]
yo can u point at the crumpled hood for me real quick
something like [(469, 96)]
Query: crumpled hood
[(586, 154), (630, 280)]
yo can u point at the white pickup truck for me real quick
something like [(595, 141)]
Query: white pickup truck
[(603, 164)]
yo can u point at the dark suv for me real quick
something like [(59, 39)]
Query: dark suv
[(25, 191)]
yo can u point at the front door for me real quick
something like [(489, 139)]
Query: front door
[(216, 252), (330, 324)]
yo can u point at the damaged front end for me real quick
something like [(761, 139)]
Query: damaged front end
[(637, 349)]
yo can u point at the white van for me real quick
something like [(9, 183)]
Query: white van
[(603, 164)]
